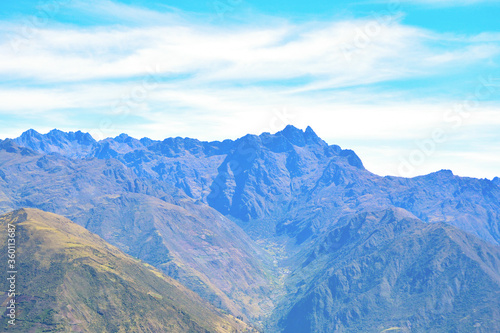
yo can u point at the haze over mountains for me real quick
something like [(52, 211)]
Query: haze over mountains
[(284, 230)]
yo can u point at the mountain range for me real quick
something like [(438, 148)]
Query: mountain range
[(282, 230)]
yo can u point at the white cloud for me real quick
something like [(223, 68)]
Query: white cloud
[(214, 82), (450, 3), (339, 54)]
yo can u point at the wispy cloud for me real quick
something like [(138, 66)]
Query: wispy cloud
[(442, 3), (164, 74), (337, 54)]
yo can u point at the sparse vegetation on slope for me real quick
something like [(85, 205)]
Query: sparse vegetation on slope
[(71, 280)]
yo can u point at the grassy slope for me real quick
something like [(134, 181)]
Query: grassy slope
[(200, 249), (72, 280)]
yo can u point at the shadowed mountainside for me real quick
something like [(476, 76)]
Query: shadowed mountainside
[(148, 219), (387, 269)]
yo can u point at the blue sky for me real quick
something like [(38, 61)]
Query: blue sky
[(413, 86)]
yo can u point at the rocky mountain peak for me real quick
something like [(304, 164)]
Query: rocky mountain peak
[(56, 137), (441, 175), (445, 173), (84, 137), (311, 136), (31, 133), (296, 136), (31, 139), (72, 144), (123, 138), (59, 137)]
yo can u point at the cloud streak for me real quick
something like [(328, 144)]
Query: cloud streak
[(163, 74), (334, 55), (446, 3)]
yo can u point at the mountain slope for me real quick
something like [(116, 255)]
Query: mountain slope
[(148, 219), (192, 243), (71, 280), (387, 269)]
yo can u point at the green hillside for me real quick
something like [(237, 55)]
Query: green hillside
[(70, 280)]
